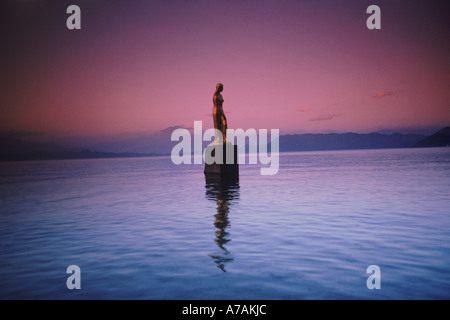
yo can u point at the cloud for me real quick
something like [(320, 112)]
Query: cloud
[(303, 109), (383, 94), (325, 117)]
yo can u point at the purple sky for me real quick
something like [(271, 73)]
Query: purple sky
[(298, 66)]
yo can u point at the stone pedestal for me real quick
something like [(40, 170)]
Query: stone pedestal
[(222, 159)]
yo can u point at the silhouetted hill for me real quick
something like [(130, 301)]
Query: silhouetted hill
[(65, 155), (336, 141), (14, 149), (438, 139), (158, 142), (10, 145)]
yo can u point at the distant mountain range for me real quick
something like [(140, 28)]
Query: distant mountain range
[(438, 139), (160, 144), (12, 149), (335, 141)]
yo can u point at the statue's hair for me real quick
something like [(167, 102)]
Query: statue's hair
[(219, 85)]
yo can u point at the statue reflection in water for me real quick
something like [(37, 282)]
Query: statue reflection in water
[(223, 191)]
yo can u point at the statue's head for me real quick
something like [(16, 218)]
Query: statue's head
[(219, 87)]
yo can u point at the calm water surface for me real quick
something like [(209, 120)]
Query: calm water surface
[(143, 228)]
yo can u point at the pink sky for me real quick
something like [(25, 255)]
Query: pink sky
[(298, 66)]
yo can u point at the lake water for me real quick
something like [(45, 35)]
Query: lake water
[(144, 228)]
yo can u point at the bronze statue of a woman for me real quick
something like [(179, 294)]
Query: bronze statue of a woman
[(220, 121)]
